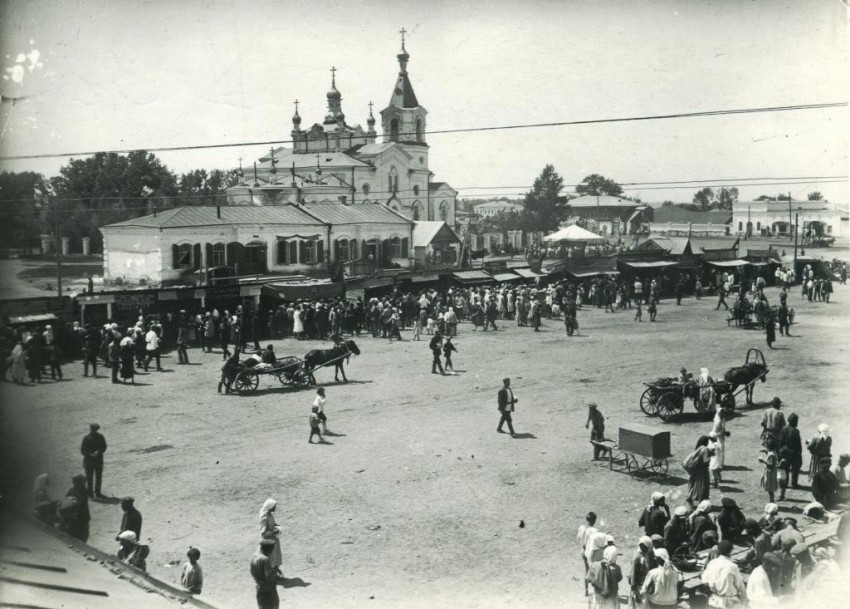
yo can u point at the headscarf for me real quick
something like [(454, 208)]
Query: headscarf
[(823, 428), (268, 506), (704, 376), (703, 508), (40, 484), (610, 555), (646, 542), (127, 536), (655, 498)]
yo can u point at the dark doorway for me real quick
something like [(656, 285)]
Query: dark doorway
[(255, 258)]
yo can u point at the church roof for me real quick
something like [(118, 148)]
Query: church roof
[(403, 95), (439, 186), (358, 213), (285, 158), (374, 149), (193, 216)]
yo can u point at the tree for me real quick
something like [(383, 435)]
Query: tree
[(598, 185), (206, 188), (704, 198), (541, 211), (781, 197), (107, 188), (725, 198), (765, 198), (815, 196), (668, 204), (20, 224)]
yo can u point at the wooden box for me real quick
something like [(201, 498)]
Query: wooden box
[(645, 441)]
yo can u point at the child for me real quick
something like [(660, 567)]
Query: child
[(638, 312), (431, 327), (652, 309), (319, 403), (448, 347), (417, 329), (193, 577), (54, 356), (314, 426)]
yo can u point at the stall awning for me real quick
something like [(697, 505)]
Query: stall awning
[(505, 276), (527, 273), (592, 273), (649, 264), (33, 319), (738, 262), (472, 276), (758, 263), (424, 278)]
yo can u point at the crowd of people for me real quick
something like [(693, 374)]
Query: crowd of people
[(767, 548)]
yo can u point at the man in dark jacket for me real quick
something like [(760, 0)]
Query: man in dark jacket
[(132, 519), (92, 449), (791, 449), (436, 349), (506, 401)]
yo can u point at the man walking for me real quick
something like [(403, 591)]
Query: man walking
[(92, 449), (132, 519), (506, 401), (265, 576), (152, 348), (721, 297), (436, 348), (596, 422)]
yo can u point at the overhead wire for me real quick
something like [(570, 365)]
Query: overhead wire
[(597, 121)]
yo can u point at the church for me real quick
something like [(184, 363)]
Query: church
[(334, 161)]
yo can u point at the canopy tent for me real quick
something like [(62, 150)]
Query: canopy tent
[(573, 233), (581, 274), (649, 264), (726, 263), (505, 277), (472, 277), (527, 273)]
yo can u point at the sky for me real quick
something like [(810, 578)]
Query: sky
[(116, 74)]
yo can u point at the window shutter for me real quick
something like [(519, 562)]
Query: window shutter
[(385, 250), (175, 256), (320, 251), (209, 254), (404, 247), (301, 251), (352, 249), (281, 251), (363, 249), (336, 250), (292, 258), (196, 256)]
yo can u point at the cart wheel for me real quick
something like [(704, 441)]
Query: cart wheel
[(301, 378), (670, 404), (247, 382), (649, 403), (728, 402), (629, 467), (283, 378), (683, 559), (659, 466)]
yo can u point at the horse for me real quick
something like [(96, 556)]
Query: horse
[(341, 351), (745, 375)]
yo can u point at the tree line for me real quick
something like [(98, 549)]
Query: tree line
[(97, 190)]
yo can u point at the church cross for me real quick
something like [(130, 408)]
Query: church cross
[(296, 106), (402, 32), (333, 74), (370, 108)]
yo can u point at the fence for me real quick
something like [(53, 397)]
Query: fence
[(687, 228)]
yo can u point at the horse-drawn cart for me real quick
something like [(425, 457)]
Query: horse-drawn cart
[(288, 370), (665, 397)]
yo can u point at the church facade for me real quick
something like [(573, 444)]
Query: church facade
[(335, 162)]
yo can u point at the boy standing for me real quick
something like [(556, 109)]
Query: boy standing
[(319, 403), (448, 347), (639, 312), (193, 577), (314, 426)]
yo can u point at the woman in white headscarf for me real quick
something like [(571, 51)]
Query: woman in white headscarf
[(820, 446), (19, 364), (270, 530), (604, 577), (660, 588)]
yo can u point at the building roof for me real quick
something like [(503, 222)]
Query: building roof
[(573, 233), (372, 149), (499, 205), (440, 185), (601, 201), (676, 246), (676, 213), (424, 232), (181, 217), (285, 157), (359, 213)]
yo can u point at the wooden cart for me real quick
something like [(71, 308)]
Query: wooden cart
[(641, 449)]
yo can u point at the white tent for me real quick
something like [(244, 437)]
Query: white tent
[(573, 233)]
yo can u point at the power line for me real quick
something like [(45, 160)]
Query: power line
[(715, 180), (598, 121)]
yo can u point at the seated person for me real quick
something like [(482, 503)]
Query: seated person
[(268, 356), (825, 486)]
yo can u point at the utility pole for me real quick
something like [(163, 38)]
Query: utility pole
[(789, 214), (796, 220), (58, 249)]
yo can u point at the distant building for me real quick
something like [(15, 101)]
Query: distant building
[(606, 215), (493, 208), (679, 220), (776, 218)]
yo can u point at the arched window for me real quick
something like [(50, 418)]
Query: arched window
[(219, 255), (418, 129), (444, 211), (366, 189), (394, 130), (740, 226), (758, 225), (393, 180), (417, 211), (416, 189)]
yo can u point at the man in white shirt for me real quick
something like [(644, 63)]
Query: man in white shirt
[(152, 348), (585, 532), (723, 579)]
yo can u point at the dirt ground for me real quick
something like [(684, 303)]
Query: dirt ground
[(417, 501)]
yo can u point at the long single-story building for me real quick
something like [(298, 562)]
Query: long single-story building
[(174, 245)]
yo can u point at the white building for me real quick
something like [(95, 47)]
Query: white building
[(820, 218), (333, 161), (492, 208)]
